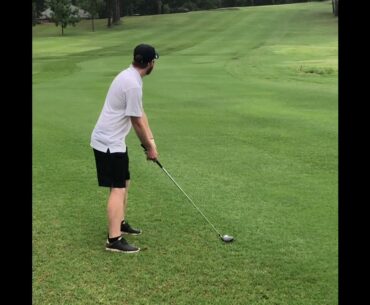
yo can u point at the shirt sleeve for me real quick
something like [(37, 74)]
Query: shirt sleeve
[(134, 102)]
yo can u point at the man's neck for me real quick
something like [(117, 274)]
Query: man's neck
[(142, 72)]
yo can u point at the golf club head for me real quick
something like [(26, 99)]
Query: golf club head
[(227, 238)]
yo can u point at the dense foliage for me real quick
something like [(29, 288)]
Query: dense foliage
[(152, 7)]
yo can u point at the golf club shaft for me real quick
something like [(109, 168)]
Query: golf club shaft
[(179, 187), (186, 195)]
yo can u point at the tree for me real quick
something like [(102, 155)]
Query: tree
[(166, 8), (116, 12), (109, 12), (62, 13), (159, 7), (93, 7), (40, 5), (34, 12), (113, 12), (37, 7), (335, 7), (208, 4), (129, 7)]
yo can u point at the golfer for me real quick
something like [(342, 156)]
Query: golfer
[(123, 109)]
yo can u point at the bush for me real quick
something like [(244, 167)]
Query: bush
[(191, 6), (166, 9)]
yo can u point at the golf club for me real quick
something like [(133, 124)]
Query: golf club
[(225, 238)]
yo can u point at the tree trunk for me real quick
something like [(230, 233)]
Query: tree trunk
[(109, 11), (116, 12), (335, 7), (92, 24), (159, 7), (62, 30)]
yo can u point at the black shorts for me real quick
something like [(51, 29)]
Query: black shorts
[(112, 168)]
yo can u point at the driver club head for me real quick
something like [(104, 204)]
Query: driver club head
[(227, 238)]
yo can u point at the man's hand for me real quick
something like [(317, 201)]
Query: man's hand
[(151, 152)]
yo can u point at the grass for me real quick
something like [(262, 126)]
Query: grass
[(243, 105)]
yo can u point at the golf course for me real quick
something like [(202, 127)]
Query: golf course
[(243, 105)]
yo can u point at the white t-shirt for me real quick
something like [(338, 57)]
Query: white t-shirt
[(124, 99)]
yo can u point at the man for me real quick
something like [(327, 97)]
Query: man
[(122, 110)]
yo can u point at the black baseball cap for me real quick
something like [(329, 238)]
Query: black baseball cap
[(144, 53)]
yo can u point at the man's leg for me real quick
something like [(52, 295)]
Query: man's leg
[(125, 227), (115, 241), (115, 211), (125, 199)]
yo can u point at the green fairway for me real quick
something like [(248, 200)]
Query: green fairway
[(243, 104)]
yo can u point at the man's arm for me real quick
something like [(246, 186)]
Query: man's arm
[(145, 118), (144, 133)]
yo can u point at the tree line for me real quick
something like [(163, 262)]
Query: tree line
[(113, 10)]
